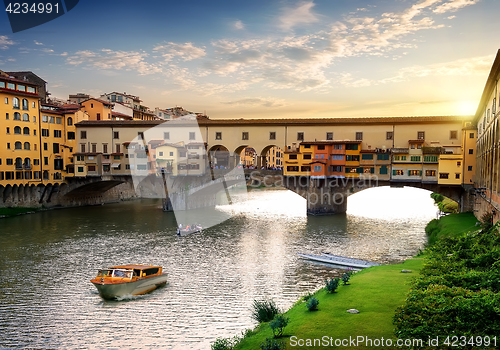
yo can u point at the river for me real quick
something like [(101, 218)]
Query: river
[(48, 258)]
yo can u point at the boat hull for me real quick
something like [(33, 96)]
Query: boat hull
[(109, 290)]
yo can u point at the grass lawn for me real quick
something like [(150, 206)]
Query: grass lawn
[(376, 292), (450, 225)]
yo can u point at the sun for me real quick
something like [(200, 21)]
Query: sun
[(466, 107)]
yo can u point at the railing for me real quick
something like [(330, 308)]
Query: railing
[(399, 150), (432, 150)]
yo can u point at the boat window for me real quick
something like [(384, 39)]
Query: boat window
[(103, 273), (151, 271), (122, 273)]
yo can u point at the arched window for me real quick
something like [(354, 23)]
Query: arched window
[(15, 102), (26, 131), (70, 121), (27, 146), (27, 163), (17, 116), (26, 117), (18, 145), (17, 130), (25, 104), (19, 163)]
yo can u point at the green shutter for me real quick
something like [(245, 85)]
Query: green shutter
[(408, 172), (372, 170), (393, 172)]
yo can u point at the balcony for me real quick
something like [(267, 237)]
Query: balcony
[(432, 150), (399, 150)]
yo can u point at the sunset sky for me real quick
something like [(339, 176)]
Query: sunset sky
[(268, 59)]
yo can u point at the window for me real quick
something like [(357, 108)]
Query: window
[(18, 145), (317, 168), (383, 170), (45, 132), (33, 104), (27, 146), (453, 135), (351, 146), (352, 158), (104, 148), (171, 154), (306, 156), (117, 148), (91, 167), (443, 175), (8, 130), (80, 169), (293, 156), (34, 119), (398, 172), (337, 146), (58, 120), (166, 135), (383, 156), (21, 88), (10, 161), (415, 158), (329, 135), (337, 157), (469, 168), (55, 148), (8, 145), (421, 135), (45, 146), (45, 119), (17, 116), (116, 135), (17, 130), (414, 172), (25, 104), (82, 147), (244, 135), (34, 132), (457, 176), (83, 135), (272, 135), (94, 148), (367, 156), (7, 116), (58, 164), (15, 103), (26, 131), (359, 136), (218, 135), (26, 117), (69, 121), (471, 151), (337, 168), (106, 168), (432, 159), (300, 136), (57, 133), (471, 135), (389, 135), (321, 147), (52, 120), (305, 168), (71, 135), (32, 90)]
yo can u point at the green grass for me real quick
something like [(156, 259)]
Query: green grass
[(376, 292), (450, 225), (15, 211)]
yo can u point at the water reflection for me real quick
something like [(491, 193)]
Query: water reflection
[(47, 260)]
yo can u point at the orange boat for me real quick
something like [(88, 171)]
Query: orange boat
[(122, 280)]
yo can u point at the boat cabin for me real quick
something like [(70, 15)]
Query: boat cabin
[(130, 272)]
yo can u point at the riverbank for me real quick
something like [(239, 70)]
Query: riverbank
[(375, 292), (10, 212)]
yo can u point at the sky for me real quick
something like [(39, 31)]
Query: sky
[(266, 58)]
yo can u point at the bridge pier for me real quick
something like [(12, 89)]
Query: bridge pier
[(323, 196)]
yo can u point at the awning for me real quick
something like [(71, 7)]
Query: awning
[(115, 165)]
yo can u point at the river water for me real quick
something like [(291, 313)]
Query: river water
[(48, 258)]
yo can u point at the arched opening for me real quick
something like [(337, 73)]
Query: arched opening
[(17, 130), (272, 157), (219, 157), (26, 131), (27, 146), (70, 121)]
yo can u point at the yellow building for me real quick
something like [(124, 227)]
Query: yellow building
[(20, 151), (450, 169), (97, 109), (352, 159)]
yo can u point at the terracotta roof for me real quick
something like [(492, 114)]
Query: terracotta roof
[(98, 100), (332, 142)]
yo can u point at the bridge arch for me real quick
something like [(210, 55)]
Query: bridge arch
[(219, 155)]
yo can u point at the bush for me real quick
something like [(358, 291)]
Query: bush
[(332, 284), (272, 344), (346, 276), (437, 197), (265, 310), (278, 325), (307, 296), (312, 304), (224, 343)]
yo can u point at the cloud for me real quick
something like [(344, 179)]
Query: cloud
[(186, 51), (37, 43), (5, 42), (114, 60), (256, 102), (300, 15), (238, 25), (454, 5)]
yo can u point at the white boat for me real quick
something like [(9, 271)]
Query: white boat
[(338, 260), (119, 281)]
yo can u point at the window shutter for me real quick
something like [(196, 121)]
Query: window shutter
[(394, 172), (372, 170)]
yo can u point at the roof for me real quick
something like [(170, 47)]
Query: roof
[(416, 141), (131, 266), (25, 73), (98, 100), (332, 142), (123, 94)]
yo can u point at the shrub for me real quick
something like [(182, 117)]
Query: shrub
[(265, 310), (307, 296), (225, 343), (272, 344), (346, 276), (332, 284), (278, 325), (312, 304), (437, 197)]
